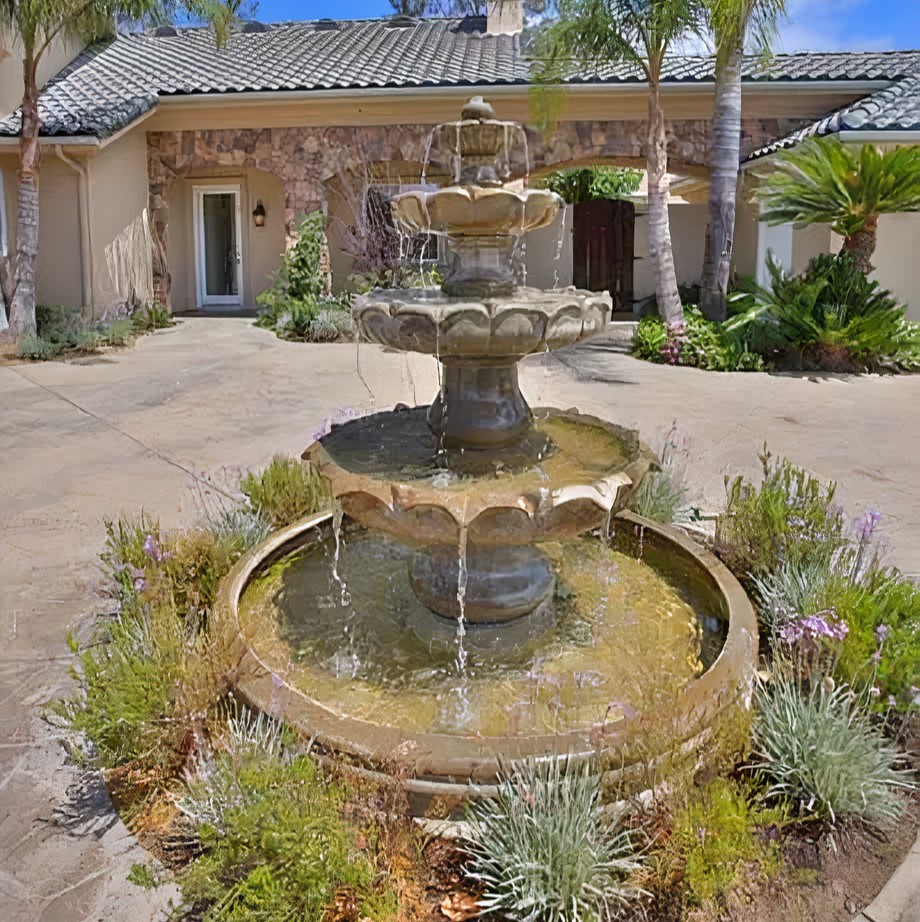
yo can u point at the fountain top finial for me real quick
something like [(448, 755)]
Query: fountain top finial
[(477, 109)]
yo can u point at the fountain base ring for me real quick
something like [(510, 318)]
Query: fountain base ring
[(441, 765)]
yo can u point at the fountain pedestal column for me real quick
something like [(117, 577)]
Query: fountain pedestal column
[(479, 406), (500, 583)]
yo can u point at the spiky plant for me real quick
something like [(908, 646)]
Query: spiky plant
[(663, 495), (253, 745), (285, 490), (822, 181), (817, 748), (541, 851), (796, 589)]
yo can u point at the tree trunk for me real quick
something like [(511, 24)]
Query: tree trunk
[(22, 309), (659, 227), (862, 244), (723, 185), (6, 294)]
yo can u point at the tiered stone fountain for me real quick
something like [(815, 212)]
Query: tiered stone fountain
[(460, 608)]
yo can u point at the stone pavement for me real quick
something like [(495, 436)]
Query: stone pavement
[(131, 430), (899, 900)]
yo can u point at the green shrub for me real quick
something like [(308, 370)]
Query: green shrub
[(63, 331), (715, 833), (294, 307), (33, 346), (832, 317), (182, 569), (584, 184), (540, 851), (882, 649), (402, 276), (662, 495), (308, 320), (286, 491), (698, 343), (152, 317), (818, 750), (274, 842), (129, 674), (790, 517), (650, 339), (141, 876)]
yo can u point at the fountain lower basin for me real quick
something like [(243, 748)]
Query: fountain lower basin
[(647, 692)]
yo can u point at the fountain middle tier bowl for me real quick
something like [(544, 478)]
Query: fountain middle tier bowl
[(475, 211), (570, 473), (483, 329)]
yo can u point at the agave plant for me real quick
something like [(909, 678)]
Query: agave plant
[(822, 181)]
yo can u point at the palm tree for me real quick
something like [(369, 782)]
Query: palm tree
[(734, 23), (640, 32), (825, 182), (30, 27)]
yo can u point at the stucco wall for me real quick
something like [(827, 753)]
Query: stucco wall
[(548, 256), (897, 259), (262, 246), (808, 242), (688, 240), (8, 169), (58, 274), (744, 250), (118, 196)]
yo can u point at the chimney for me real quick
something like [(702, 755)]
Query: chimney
[(505, 17)]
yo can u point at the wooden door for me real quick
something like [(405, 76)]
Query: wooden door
[(603, 233)]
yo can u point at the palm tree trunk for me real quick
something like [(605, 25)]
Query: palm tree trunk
[(723, 185), (862, 244), (22, 309), (659, 226)]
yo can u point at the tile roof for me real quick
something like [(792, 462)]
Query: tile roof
[(111, 84), (896, 108)]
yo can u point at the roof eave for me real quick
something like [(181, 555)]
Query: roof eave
[(880, 136)]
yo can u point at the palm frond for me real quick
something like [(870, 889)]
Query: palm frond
[(825, 182)]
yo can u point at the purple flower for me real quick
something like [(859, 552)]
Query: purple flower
[(812, 628), (152, 549), (138, 580), (881, 633), (866, 524)]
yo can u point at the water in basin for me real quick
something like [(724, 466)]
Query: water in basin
[(621, 635)]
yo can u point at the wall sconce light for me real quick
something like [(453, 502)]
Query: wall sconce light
[(258, 214)]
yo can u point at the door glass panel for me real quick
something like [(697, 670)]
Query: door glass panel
[(221, 249)]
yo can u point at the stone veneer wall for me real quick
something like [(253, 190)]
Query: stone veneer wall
[(305, 158)]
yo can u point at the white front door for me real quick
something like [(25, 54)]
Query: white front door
[(218, 248)]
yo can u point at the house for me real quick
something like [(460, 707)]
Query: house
[(177, 171)]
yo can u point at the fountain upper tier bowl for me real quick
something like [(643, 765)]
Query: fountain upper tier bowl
[(482, 329), (476, 211)]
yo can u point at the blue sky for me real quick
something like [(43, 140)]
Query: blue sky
[(813, 25)]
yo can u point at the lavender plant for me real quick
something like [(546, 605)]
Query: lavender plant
[(817, 749), (663, 495), (541, 851)]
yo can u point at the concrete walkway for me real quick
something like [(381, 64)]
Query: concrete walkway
[(132, 430)]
